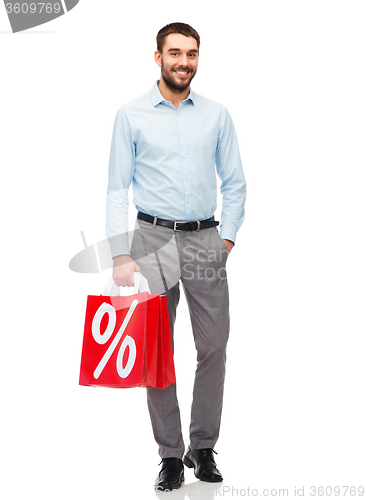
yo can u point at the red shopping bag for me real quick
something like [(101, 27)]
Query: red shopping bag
[(127, 342)]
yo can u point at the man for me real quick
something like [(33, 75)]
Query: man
[(167, 144)]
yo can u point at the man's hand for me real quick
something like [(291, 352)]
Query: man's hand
[(123, 269), (229, 244)]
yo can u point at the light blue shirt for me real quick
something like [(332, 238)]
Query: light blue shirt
[(171, 156)]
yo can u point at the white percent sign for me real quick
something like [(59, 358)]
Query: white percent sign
[(102, 338)]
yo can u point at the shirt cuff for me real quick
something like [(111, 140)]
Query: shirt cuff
[(228, 231), (119, 245)]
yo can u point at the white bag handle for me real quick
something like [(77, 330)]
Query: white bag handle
[(141, 285)]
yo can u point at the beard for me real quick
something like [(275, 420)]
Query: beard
[(171, 83)]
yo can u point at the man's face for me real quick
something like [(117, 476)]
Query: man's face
[(178, 61)]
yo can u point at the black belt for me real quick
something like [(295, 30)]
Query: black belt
[(179, 225)]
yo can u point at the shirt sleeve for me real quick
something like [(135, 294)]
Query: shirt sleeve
[(230, 171), (120, 174)]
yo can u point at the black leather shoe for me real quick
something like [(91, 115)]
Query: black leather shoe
[(204, 464), (171, 474)]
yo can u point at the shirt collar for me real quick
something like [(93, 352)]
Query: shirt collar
[(157, 98)]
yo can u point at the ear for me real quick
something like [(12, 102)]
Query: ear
[(157, 57)]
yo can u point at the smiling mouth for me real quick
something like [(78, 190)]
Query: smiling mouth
[(181, 73)]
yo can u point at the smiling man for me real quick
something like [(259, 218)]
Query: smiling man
[(169, 144)]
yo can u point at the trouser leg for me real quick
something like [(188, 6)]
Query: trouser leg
[(155, 253), (203, 259), (163, 404)]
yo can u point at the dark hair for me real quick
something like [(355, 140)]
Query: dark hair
[(182, 28)]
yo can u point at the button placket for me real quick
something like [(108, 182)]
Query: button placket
[(185, 166)]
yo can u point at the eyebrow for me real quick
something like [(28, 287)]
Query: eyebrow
[(179, 50)]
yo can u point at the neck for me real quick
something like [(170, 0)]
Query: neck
[(172, 95)]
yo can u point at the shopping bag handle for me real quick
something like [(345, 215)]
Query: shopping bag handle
[(141, 285)]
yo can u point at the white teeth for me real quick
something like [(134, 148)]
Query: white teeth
[(182, 72)]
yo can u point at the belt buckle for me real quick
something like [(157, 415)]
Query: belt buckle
[(185, 222), (178, 222)]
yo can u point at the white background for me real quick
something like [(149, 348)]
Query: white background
[(292, 74)]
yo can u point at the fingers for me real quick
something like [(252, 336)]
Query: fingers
[(123, 272), (127, 282), (124, 281)]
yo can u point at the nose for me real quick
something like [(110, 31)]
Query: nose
[(183, 60)]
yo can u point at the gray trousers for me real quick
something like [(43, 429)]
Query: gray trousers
[(197, 259)]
